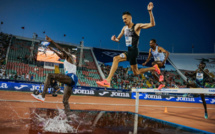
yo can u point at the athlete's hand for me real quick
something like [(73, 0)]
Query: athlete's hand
[(150, 6), (48, 39), (113, 38), (144, 64)]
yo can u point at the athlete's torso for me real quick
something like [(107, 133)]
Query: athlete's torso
[(200, 77), (69, 67), (131, 38), (158, 56)]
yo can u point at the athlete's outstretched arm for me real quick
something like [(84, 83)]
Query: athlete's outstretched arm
[(50, 40), (164, 51), (58, 54), (58, 47), (113, 38), (152, 20), (148, 59)]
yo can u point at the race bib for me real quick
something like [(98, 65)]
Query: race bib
[(199, 76), (157, 58), (128, 41), (65, 71)]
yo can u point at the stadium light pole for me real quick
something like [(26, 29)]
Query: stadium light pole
[(81, 53), (30, 58)]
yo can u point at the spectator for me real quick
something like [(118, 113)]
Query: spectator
[(32, 77), (27, 77), (23, 77), (15, 77)]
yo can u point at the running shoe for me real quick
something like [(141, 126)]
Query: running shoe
[(38, 97), (157, 69), (103, 83), (161, 78), (206, 115), (161, 86)]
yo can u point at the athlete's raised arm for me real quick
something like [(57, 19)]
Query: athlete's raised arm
[(58, 54), (152, 20), (56, 45)]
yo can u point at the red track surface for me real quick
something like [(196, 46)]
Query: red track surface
[(14, 107)]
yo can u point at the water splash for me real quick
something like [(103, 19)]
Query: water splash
[(59, 123)]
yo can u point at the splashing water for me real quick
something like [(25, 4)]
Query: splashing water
[(59, 123)]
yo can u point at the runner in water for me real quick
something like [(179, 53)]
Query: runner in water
[(69, 78)]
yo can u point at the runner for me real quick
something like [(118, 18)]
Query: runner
[(202, 76), (159, 60), (69, 78), (132, 33)]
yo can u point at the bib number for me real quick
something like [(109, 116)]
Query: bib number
[(199, 76), (157, 58), (128, 41)]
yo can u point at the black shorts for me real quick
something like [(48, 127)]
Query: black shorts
[(132, 54)]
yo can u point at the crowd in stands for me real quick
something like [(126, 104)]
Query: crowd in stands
[(20, 51), (4, 44), (122, 79), (19, 68)]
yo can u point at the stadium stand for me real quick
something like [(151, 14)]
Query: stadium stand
[(122, 79), (88, 74), (19, 68), (4, 44)]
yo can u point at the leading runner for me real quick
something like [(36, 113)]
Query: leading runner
[(132, 33)]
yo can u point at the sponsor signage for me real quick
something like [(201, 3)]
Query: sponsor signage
[(90, 91), (120, 94), (21, 87), (145, 96), (114, 94), (83, 92), (103, 93)]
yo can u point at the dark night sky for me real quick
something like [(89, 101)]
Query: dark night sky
[(178, 22)]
